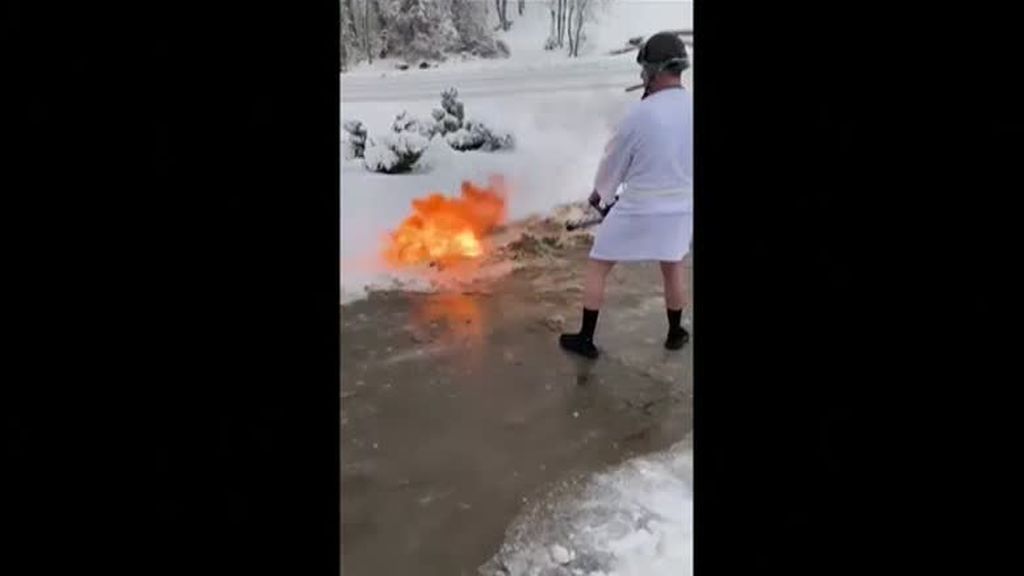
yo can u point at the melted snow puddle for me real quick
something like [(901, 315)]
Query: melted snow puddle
[(634, 520)]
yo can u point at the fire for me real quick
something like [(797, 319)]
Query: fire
[(444, 230)]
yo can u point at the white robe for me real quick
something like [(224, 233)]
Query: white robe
[(651, 157)]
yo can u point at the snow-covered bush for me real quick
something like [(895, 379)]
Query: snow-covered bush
[(444, 122), (475, 135), (438, 154), (451, 104), (395, 152), (464, 140), (405, 123), (448, 118), (503, 49), (462, 134), (355, 141)]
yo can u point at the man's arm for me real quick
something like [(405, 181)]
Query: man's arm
[(618, 154)]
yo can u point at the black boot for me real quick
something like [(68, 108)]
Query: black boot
[(582, 342), (677, 335)]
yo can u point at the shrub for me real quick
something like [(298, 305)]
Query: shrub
[(394, 153)]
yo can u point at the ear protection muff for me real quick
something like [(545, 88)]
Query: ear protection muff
[(678, 63)]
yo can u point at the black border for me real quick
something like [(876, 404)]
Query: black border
[(853, 245), (174, 260)]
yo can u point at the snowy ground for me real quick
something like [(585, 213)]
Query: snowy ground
[(633, 520)]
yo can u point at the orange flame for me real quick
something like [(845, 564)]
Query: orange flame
[(443, 230)]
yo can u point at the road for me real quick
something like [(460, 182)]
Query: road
[(498, 78)]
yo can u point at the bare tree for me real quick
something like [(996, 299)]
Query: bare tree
[(502, 7), (556, 18), (569, 21), (384, 25), (344, 53), (552, 35), (522, 7), (575, 16), (366, 33), (561, 22), (581, 13)]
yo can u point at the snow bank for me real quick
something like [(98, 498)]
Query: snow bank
[(634, 520)]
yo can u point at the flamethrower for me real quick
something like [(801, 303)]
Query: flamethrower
[(592, 221)]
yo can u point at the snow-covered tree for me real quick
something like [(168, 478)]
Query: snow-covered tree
[(362, 31), (470, 20), (348, 35), (419, 29), (416, 30)]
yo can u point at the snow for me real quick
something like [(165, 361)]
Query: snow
[(633, 520), (616, 21), (560, 555), (386, 151), (560, 111), (378, 156)]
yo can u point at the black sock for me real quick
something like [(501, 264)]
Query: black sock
[(589, 323), (677, 335), (675, 319)]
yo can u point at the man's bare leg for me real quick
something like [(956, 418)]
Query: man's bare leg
[(674, 276), (582, 342), (593, 288)]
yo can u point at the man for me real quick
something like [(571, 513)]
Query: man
[(651, 157)]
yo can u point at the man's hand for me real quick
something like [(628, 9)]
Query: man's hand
[(595, 200)]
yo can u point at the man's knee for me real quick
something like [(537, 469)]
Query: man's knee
[(603, 265)]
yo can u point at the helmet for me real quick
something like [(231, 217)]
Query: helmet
[(664, 51)]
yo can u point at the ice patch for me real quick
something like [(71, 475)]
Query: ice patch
[(634, 520)]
